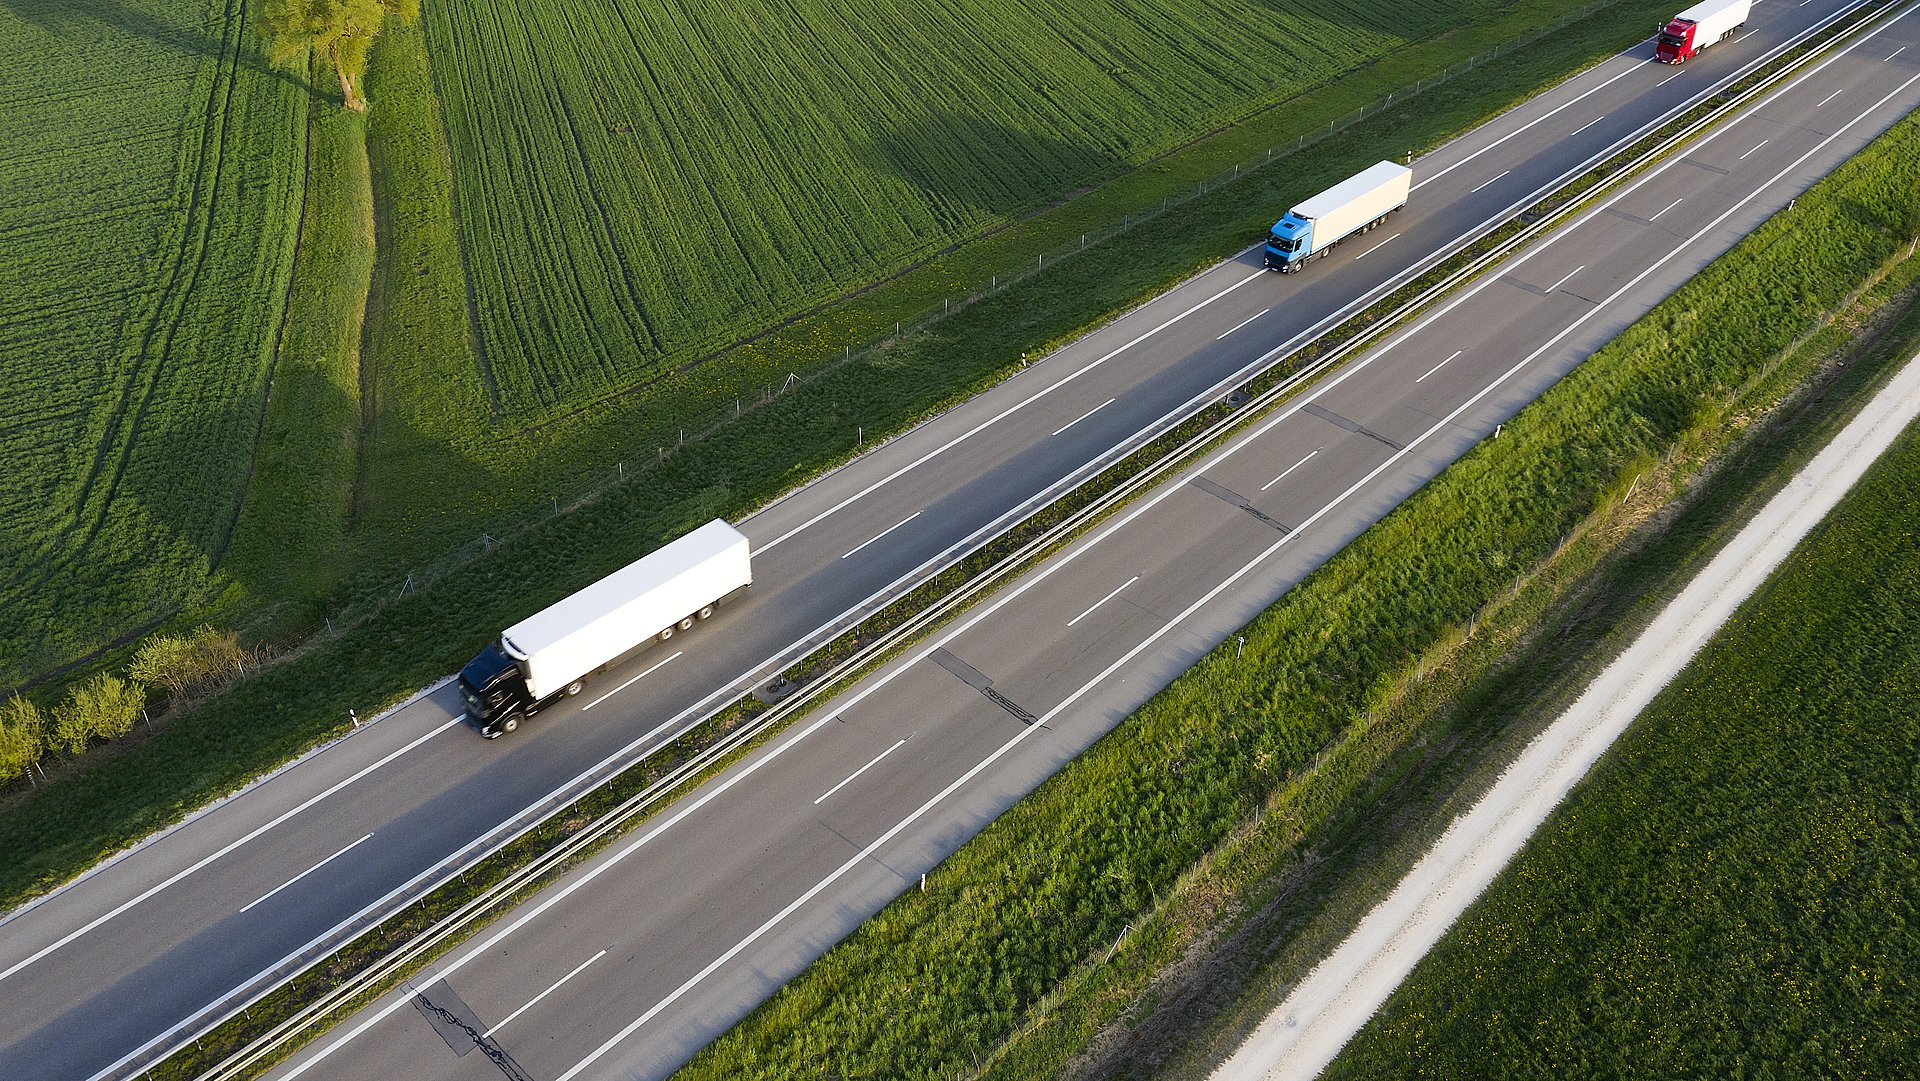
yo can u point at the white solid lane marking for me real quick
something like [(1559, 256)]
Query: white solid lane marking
[(1376, 247), (876, 758), (886, 531), (1103, 600), (1894, 53), (577, 970), (651, 670), (303, 874), (1756, 146), (1237, 326), (1490, 180), (1439, 366), (762, 549), (1548, 115), (1088, 413), (204, 860), (1587, 125), (1289, 469), (1671, 78), (1563, 281), (1830, 97), (753, 766), (1668, 207)]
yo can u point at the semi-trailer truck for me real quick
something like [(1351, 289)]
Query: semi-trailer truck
[(1354, 205), (1698, 27), (549, 655)]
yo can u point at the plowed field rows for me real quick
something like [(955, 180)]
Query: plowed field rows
[(149, 174), (640, 181)]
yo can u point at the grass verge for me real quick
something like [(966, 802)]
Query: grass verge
[(1027, 912), (1734, 889), (414, 333)]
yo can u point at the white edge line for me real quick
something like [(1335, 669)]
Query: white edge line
[(530, 1002), (222, 851), (1103, 600), (884, 532), (650, 670), (876, 759), (1095, 409), (304, 873), (754, 765), (773, 921), (998, 417)]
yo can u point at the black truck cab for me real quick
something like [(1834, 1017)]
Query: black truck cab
[(495, 692)]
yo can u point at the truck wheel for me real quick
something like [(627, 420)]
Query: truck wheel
[(666, 634), (707, 612), (575, 688), (510, 724), (686, 624)]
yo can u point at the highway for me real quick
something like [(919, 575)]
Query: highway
[(635, 962), (691, 921)]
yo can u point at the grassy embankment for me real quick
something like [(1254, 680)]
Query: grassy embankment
[(1734, 890), (413, 360), (1001, 969)]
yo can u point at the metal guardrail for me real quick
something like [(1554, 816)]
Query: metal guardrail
[(379, 977)]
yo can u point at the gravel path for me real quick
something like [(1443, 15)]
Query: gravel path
[(1323, 1012)]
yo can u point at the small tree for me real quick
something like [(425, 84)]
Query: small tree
[(22, 735), (103, 707), (342, 29)]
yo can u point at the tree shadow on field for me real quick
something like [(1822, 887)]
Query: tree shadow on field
[(101, 20), (970, 161)]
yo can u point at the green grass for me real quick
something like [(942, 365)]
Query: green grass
[(640, 183), (938, 982), (150, 184), (1734, 890), (294, 519), (411, 360)]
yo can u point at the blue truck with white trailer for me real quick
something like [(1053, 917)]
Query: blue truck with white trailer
[(1354, 205)]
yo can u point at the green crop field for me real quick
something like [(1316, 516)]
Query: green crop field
[(639, 182), (150, 174), (1733, 892)]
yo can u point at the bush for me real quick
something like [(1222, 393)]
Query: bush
[(103, 707), (185, 664), (22, 737)]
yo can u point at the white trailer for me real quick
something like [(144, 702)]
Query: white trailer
[(550, 653), (1354, 205)]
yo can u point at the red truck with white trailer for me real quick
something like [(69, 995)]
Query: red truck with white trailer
[(1698, 27)]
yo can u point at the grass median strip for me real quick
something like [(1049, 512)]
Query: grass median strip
[(960, 979)]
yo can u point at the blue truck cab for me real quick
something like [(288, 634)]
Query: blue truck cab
[(1288, 241)]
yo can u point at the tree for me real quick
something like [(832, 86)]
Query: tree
[(342, 29)]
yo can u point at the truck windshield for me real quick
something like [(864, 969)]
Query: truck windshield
[(1674, 40)]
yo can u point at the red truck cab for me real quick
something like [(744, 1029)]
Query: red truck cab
[(1676, 41)]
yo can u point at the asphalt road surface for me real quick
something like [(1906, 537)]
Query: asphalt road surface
[(634, 962), (104, 976)]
